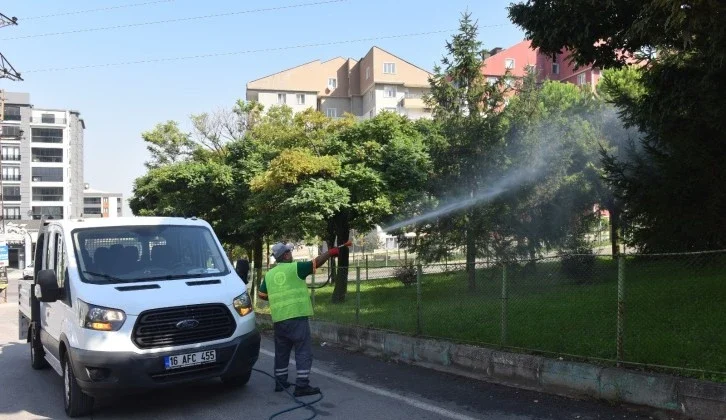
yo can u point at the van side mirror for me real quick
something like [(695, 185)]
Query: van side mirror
[(46, 287)]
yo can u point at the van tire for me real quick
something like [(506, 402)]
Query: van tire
[(237, 380), (76, 403), (37, 354)]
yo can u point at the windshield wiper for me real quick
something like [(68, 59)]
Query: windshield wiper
[(107, 276)]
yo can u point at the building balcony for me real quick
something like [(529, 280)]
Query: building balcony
[(5, 198), (414, 101), (46, 120), (12, 117), (11, 177), (11, 158)]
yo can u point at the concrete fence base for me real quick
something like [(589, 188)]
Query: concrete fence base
[(686, 397)]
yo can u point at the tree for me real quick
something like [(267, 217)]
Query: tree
[(466, 154), (167, 144), (670, 180)]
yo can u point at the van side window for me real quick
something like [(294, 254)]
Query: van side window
[(49, 263)]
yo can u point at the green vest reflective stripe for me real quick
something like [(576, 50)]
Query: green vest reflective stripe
[(287, 293)]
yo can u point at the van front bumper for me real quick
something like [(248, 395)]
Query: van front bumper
[(113, 373)]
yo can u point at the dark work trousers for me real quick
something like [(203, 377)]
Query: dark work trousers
[(291, 333)]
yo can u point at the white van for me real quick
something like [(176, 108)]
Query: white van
[(126, 304)]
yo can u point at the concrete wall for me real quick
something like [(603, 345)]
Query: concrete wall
[(342, 105), (269, 99), (76, 181)]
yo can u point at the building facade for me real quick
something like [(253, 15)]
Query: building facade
[(380, 81), (101, 203), (41, 165), (521, 57)]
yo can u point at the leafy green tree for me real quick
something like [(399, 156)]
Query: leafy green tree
[(670, 180), (167, 144)]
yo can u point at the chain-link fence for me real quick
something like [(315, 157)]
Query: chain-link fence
[(660, 312)]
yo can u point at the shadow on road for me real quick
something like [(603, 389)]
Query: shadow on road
[(29, 393)]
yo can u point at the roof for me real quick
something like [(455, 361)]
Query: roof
[(71, 224)]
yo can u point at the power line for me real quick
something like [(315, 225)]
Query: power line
[(133, 25), (102, 9), (262, 50)]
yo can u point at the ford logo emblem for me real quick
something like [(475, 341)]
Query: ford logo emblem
[(187, 324)]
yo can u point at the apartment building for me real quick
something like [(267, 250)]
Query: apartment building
[(519, 58), (380, 81), (101, 203), (41, 166)]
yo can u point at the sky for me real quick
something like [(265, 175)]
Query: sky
[(119, 102)]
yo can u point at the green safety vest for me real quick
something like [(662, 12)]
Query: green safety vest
[(287, 293)]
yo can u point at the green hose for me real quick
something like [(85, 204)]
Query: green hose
[(301, 404)]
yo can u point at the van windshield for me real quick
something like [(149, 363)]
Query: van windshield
[(123, 254)]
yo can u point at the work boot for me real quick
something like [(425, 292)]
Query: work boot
[(282, 385), (302, 391)]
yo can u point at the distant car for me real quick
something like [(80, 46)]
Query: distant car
[(28, 272)]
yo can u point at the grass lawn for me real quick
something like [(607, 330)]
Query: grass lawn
[(675, 314)]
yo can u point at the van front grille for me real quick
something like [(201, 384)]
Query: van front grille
[(183, 325)]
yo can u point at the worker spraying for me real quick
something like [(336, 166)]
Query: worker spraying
[(290, 307)]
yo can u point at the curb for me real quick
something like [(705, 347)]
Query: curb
[(692, 398)]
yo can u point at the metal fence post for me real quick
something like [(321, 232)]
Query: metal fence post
[(357, 295), (367, 266), (505, 298), (418, 299), (386, 257), (621, 309)]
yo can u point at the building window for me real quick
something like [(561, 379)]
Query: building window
[(389, 91), (492, 80), (91, 210), (10, 153), (368, 72), (581, 79), (555, 68), (332, 83), (509, 63), (11, 131), (11, 213), (12, 113), (11, 193), (331, 112), (389, 68), (92, 200), (509, 82), (300, 98), (47, 155), (281, 99), (11, 173), (47, 175), (47, 118), (529, 68), (55, 211), (47, 135), (47, 193)]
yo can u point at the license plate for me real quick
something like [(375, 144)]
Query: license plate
[(190, 359)]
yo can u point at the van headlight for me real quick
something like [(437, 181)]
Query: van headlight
[(99, 318), (242, 304)]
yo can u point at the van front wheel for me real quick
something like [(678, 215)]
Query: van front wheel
[(77, 404)]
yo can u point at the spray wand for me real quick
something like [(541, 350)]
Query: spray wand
[(335, 254)]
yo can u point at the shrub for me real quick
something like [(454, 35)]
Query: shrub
[(406, 274)]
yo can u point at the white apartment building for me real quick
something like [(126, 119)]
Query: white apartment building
[(41, 165), (380, 81), (101, 203)]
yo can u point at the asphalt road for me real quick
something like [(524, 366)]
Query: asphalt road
[(355, 387)]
